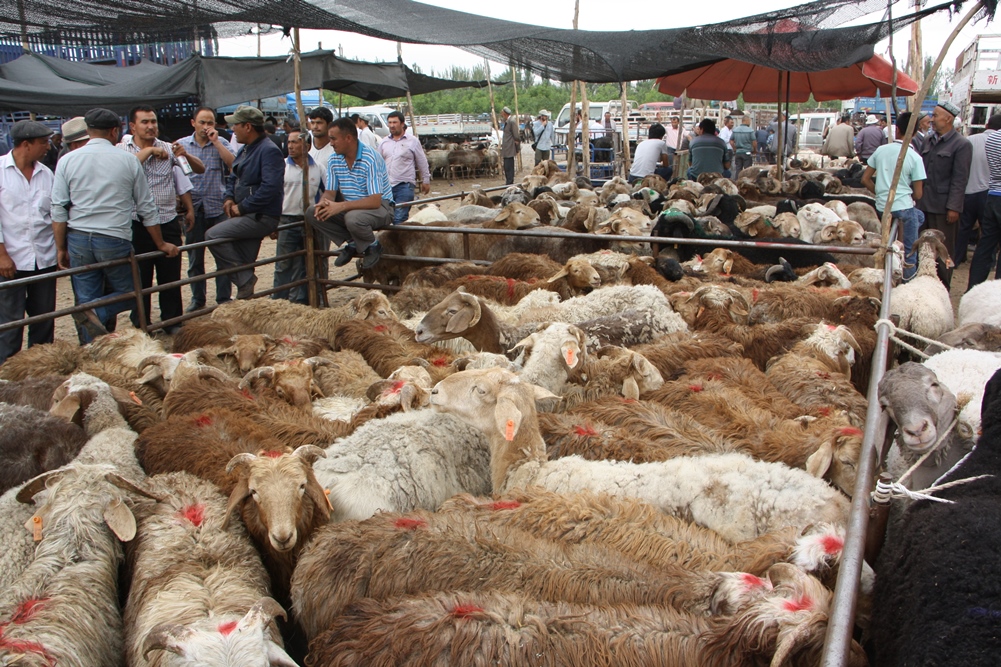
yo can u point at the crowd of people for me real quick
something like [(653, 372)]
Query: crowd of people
[(94, 193)]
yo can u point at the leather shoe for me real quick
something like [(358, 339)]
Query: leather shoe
[(247, 289), (89, 322), (193, 306), (348, 253), (372, 255)]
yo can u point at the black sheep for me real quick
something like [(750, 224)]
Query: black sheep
[(937, 599), (32, 442)]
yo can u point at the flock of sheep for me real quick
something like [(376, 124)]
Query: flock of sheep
[(574, 455)]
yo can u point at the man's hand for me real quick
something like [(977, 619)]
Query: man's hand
[(231, 209), (273, 235), (212, 135), (327, 209), (178, 150), (189, 220), (63, 259), (7, 266), (952, 217), (169, 249), (161, 153), (425, 188)]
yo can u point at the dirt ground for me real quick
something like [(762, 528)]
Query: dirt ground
[(64, 295)]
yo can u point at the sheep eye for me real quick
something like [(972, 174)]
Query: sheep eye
[(480, 390)]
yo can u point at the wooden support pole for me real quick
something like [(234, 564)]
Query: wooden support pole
[(625, 131), (572, 133), (493, 115), (311, 284), (585, 131), (410, 100), (517, 114)]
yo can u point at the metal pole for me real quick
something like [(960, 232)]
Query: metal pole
[(307, 233), (137, 286), (585, 119), (625, 130), (493, 115), (514, 82)]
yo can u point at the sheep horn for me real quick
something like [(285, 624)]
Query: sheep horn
[(123, 483), (773, 271), (153, 360), (206, 372), (313, 362), (263, 372), (33, 486), (166, 637), (239, 459), (263, 611), (309, 453), (423, 363), (788, 643)]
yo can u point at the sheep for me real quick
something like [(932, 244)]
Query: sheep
[(128, 347), (972, 336), (865, 215), (981, 303), (32, 442), (669, 353), (32, 391), (549, 355), (933, 603), (387, 345), (510, 628), (775, 495), (923, 304), (279, 499), (437, 275), (278, 317), (57, 358), (347, 374), (208, 332), (199, 593), (63, 608), (965, 373), (813, 218), (394, 554), (292, 381), (402, 462), (611, 371)]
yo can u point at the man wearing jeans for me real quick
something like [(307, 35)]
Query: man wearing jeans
[(404, 156), (985, 256), (882, 164), (96, 190), (253, 199), (290, 240), (217, 156)]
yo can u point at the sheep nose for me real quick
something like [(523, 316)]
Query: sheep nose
[(283, 540), (434, 392), (921, 429)]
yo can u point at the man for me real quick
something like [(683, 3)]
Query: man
[(744, 144), (921, 131), (55, 149), (762, 135), (984, 256), (358, 198), (652, 156), (27, 247), (404, 156), (976, 189), (708, 152), (74, 135), (910, 187), (672, 136), (790, 136), (608, 125), (510, 145), (726, 132), (290, 240), (840, 141), (947, 156), (158, 160), (216, 156), (252, 200), (884, 128), (603, 138), (278, 138), (319, 120), (543, 131), (869, 138), (98, 191), (365, 134)]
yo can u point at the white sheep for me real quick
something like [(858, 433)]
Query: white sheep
[(923, 304), (406, 461), (428, 214), (736, 496), (965, 373), (552, 354), (813, 218), (982, 304)]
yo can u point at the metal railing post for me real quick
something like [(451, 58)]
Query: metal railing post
[(138, 288)]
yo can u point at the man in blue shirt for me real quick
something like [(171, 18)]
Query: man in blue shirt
[(253, 199), (708, 152), (358, 199)]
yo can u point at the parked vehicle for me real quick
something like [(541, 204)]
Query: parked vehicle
[(811, 128)]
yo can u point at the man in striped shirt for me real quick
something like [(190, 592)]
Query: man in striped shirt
[(358, 199), (985, 255)]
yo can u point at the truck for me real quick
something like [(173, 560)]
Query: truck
[(976, 85)]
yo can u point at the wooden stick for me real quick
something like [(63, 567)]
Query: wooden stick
[(493, 114), (410, 100), (585, 131), (918, 101), (311, 285), (572, 132), (517, 115), (625, 131)]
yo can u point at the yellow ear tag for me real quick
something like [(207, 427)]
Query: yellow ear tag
[(135, 398), (35, 526), (570, 356), (326, 494), (509, 430)]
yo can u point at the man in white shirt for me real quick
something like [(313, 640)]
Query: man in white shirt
[(320, 119), (27, 246), (726, 132), (292, 239), (976, 189), (365, 133), (652, 156)]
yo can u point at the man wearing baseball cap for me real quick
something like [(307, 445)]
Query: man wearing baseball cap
[(543, 131), (253, 199), (947, 156), (27, 247)]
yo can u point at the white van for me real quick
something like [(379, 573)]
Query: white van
[(377, 116), (596, 111), (811, 128)]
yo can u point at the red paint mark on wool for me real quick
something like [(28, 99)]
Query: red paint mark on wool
[(439, 362), (584, 429), (823, 375), (505, 505), (466, 610), (407, 523), (194, 513), (272, 454), (226, 628), (627, 400), (510, 287), (381, 328), (752, 581), (246, 394), (800, 604), (824, 412), (288, 340), (177, 356), (831, 327), (26, 610), (844, 292), (832, 544), (695, 387), (24, 613), (754, 295), (851, 431), (203, 420)]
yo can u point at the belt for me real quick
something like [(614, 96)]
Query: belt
[(293, 218)]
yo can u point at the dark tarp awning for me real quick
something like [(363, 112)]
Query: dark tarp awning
[(595, 56), (59, 87)]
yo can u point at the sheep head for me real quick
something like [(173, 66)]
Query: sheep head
[(456, 314), (637, 373), (493, 400), (935, 239), (292, 381), (836, 460), (787, 223), (374, 305), (90, 403), (276, 483), (572, 343), (580, 274), (407, 386), (248, 349), (226, 641), (515, 216), (918, 404), (715, 298), (833, 345), (718, 261), (654, 182), (533, 181)]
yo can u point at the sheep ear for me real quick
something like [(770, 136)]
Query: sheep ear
[(571, 353), (309, 453), (277, 657), (727, 266), (829, 233), (166, 637), (507, 416), (317, 493), (563, 272), (127, 485), (153, 373), (820, 461), (263, 612), (120, 520), (541, 394), (630, 388), (504, 214), (466, 317), (315, 390), (240, 493), (71, 408)]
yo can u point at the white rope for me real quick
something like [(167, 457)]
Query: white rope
[(896, 332)]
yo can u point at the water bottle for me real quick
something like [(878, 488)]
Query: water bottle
[(183, 163)]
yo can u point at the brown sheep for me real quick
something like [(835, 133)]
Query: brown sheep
[(207, 332), (505, 291), (291, 381), (611, 371), (280, 501), (144, 406), (35, 392), (57, 358), (524, 266), (387, 345), (347, 374), (477, 197), (546, 168), (671, 352), (740, 373), (437, 275)]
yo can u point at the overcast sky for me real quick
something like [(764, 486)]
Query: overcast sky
[(594, 15)]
